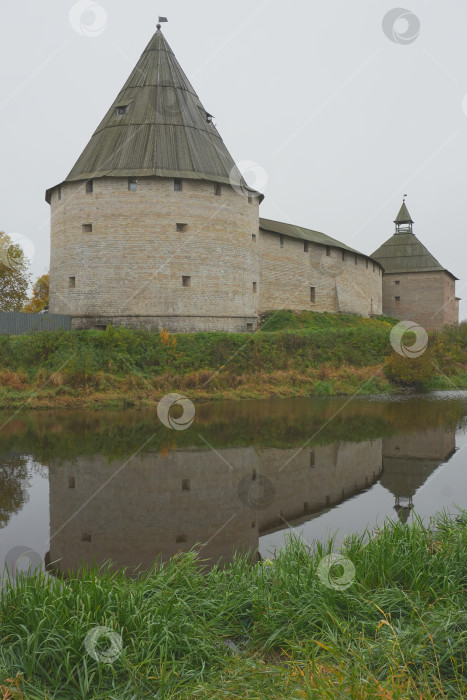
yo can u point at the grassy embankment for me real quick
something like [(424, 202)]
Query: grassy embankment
[(268, 630), (301, 354)]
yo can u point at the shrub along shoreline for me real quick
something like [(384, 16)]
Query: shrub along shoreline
[(294, 354), (396, 629)]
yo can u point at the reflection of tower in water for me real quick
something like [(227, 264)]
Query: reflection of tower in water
[(223, 500), (408, 461)]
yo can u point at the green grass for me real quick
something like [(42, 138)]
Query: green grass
[(294, 354), (399, 631)]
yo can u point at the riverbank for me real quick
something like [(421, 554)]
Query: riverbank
[(388, 623), (301, 354)]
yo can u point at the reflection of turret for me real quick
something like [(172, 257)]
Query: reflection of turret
[(129, 513), (13, 486), (408, 461)]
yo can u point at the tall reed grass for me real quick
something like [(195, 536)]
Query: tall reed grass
[(266, 630)]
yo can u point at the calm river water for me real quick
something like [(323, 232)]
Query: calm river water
[(119, 486)]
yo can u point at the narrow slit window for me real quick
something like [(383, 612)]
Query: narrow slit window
[(86, 537), (132, 183), (356, 259), (343, 255), (249, 327), (313, 295), (328, 251), (217, 189), (398, 282), (250, 200), (181, 538), (281, 241), (178, 186), (253, 237), (59, 193), (71, 282), (312, 458), (254, 287), (366, 261), (182, 227), (87, 228), (305, 246), (71, 482), (186, 281), (89, 186), (186, 485), (374, 267)]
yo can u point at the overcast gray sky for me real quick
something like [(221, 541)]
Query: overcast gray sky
[(341, 119)]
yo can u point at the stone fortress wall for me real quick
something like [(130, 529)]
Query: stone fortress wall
[(189, 260), (427, 298)]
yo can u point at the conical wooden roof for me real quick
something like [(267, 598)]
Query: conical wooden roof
[(157, 126), (403, 252), (403, 216)]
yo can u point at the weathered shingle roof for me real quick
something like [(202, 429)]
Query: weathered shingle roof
[(164, 132), (305, 234), (403, 216), (403, 252)]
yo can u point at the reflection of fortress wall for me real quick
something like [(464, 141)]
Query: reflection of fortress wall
[(158, 505), (317, 478)]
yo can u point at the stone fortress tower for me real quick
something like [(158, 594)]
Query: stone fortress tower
[(155, 227), (415, 286)]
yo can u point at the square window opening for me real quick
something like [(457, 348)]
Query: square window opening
[(186, 281), (86, 537), (186, 485), (182, 227), (249, 327), (132, 184), (178, 186), (398, 282), (87, 228), (71, 282), (397, 298)]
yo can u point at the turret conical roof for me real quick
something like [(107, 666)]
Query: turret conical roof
[(403, 216), (157, 126)]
